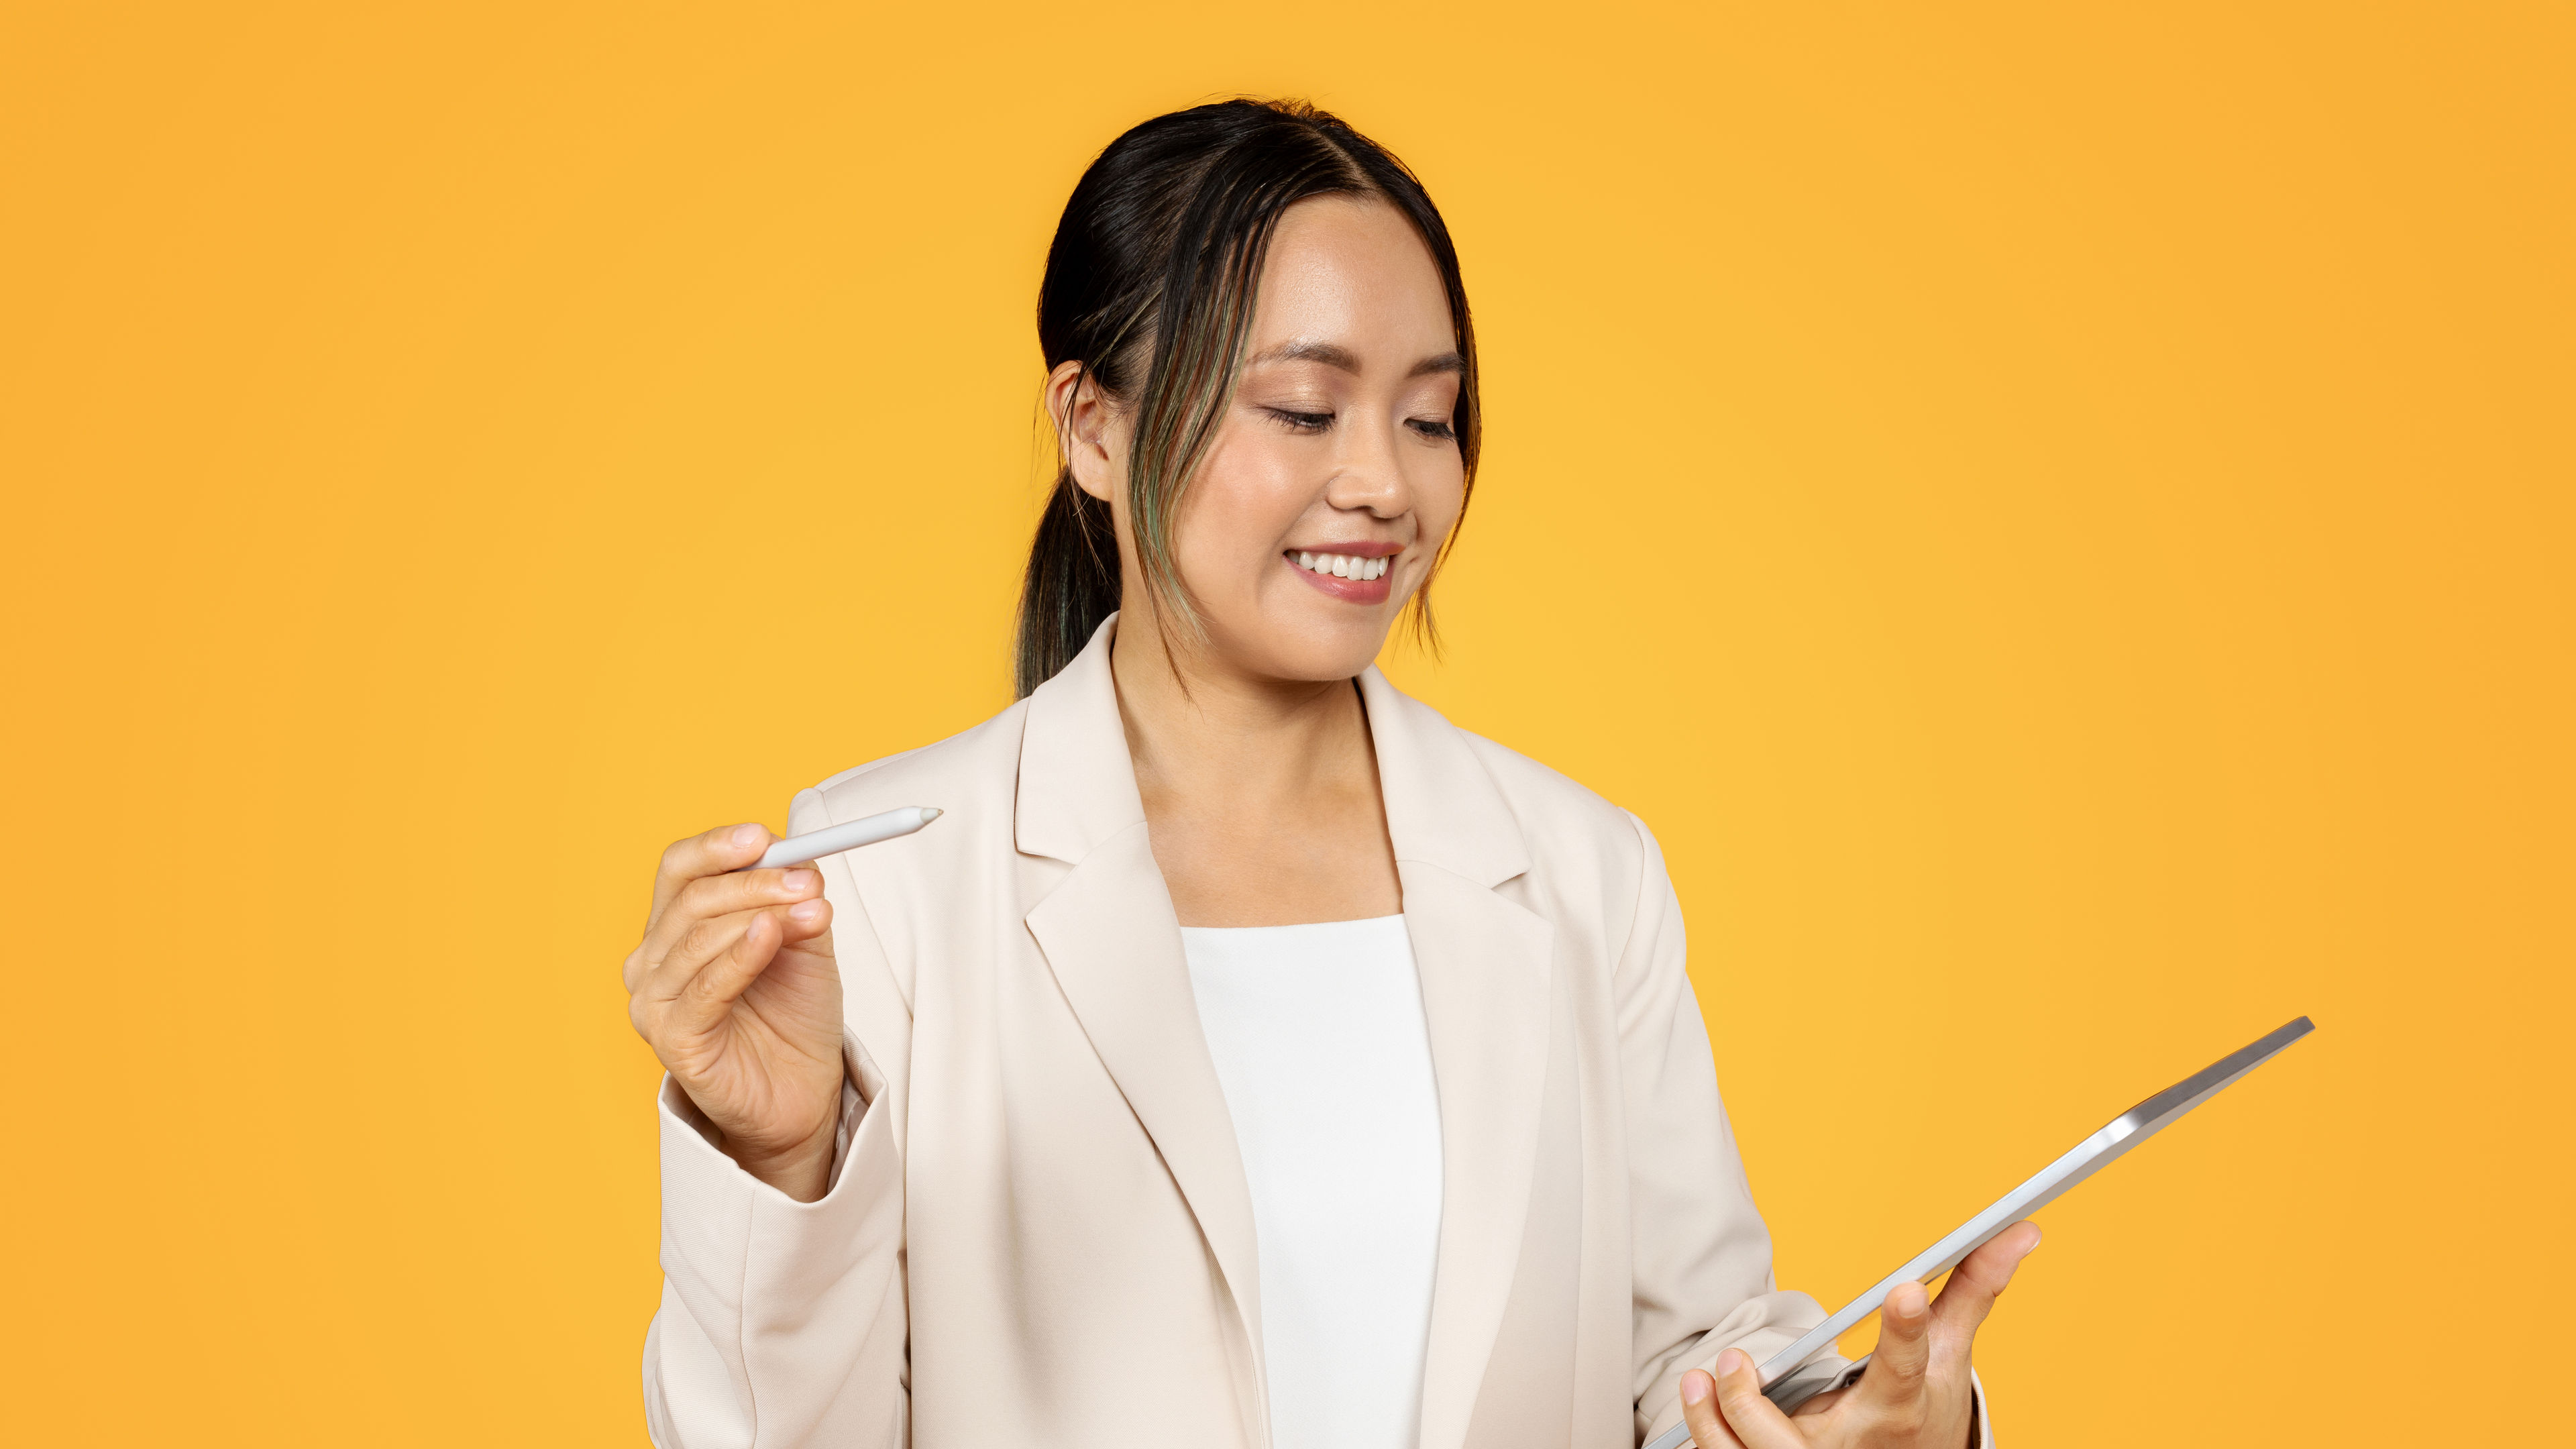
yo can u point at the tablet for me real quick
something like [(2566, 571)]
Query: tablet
[(2089, 1156)]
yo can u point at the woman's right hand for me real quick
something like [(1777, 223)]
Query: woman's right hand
[(735, 988)]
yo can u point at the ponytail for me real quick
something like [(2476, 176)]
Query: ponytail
[(1072, 584)]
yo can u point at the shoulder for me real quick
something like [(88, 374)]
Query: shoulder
[(1548, 801), (977, 766), (1594, 868), (892, 898), (1569, 832), (1540, 792)]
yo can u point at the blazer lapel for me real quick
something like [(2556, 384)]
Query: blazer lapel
[(1113, 941), (1484, 966), (1486, 984), (1111, 938)]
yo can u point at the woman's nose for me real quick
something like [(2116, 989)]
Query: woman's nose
[(1370, 474)]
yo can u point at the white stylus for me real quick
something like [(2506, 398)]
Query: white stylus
[(832, 840)]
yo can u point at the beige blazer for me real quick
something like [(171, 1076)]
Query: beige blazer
[(1039, 1232)]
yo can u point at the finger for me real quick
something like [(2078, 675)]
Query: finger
[(1982, 1277), (1896, 1369), (806, 926), (697, 948), (727, 847), (1699, 1411), (1757, 1422), (692, 989), (722, 895), (708, 995)]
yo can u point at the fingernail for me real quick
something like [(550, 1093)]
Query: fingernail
[(747, 835), (1694, 1387), (805, 911), (797, 880), (1730, 1361)]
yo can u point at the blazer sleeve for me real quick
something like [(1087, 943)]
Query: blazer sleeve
[(783, 1323), (1701, 1252)]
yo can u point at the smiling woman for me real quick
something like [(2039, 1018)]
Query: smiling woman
[(1128, 314), (1248, 1056)]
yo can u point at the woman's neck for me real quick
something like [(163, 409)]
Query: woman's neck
[(1260, 795), (1224, 737)]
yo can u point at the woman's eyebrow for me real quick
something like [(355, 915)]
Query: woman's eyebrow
[(1333, 354), (1328, 353)]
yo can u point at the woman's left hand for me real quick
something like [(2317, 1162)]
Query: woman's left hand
[(1915, 1394)]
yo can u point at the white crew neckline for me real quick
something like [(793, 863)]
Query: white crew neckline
[(1305, 925)]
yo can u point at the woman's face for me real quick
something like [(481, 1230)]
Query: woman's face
[(1334, 473)]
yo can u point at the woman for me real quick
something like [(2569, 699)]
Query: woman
[(1247, 1056)]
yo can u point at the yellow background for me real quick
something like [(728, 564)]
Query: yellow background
[(2058, 515)]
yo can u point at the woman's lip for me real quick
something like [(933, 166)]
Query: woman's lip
[(1366, 548), (1354, 591)]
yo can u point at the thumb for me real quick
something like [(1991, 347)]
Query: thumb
[(1708, 1428)]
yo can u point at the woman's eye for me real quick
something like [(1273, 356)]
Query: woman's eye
[(1434, 428), (1297, 422)]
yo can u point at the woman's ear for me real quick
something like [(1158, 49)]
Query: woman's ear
[(1085, 424)]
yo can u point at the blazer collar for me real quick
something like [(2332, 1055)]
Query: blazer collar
[(1078, 784), (1077, 781), (1442, 808)]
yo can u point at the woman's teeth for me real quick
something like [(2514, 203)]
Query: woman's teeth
[(1342, 565)]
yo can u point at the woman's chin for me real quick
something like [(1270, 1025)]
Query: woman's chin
[(1303, 644), (1333, 649)]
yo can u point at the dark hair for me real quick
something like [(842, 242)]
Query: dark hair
[(1161, 247)]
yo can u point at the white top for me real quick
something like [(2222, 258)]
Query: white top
[(1320, 1044)]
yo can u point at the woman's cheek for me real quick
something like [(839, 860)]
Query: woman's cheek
[(1439, 503), (1255, 500), (1227, 542)]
